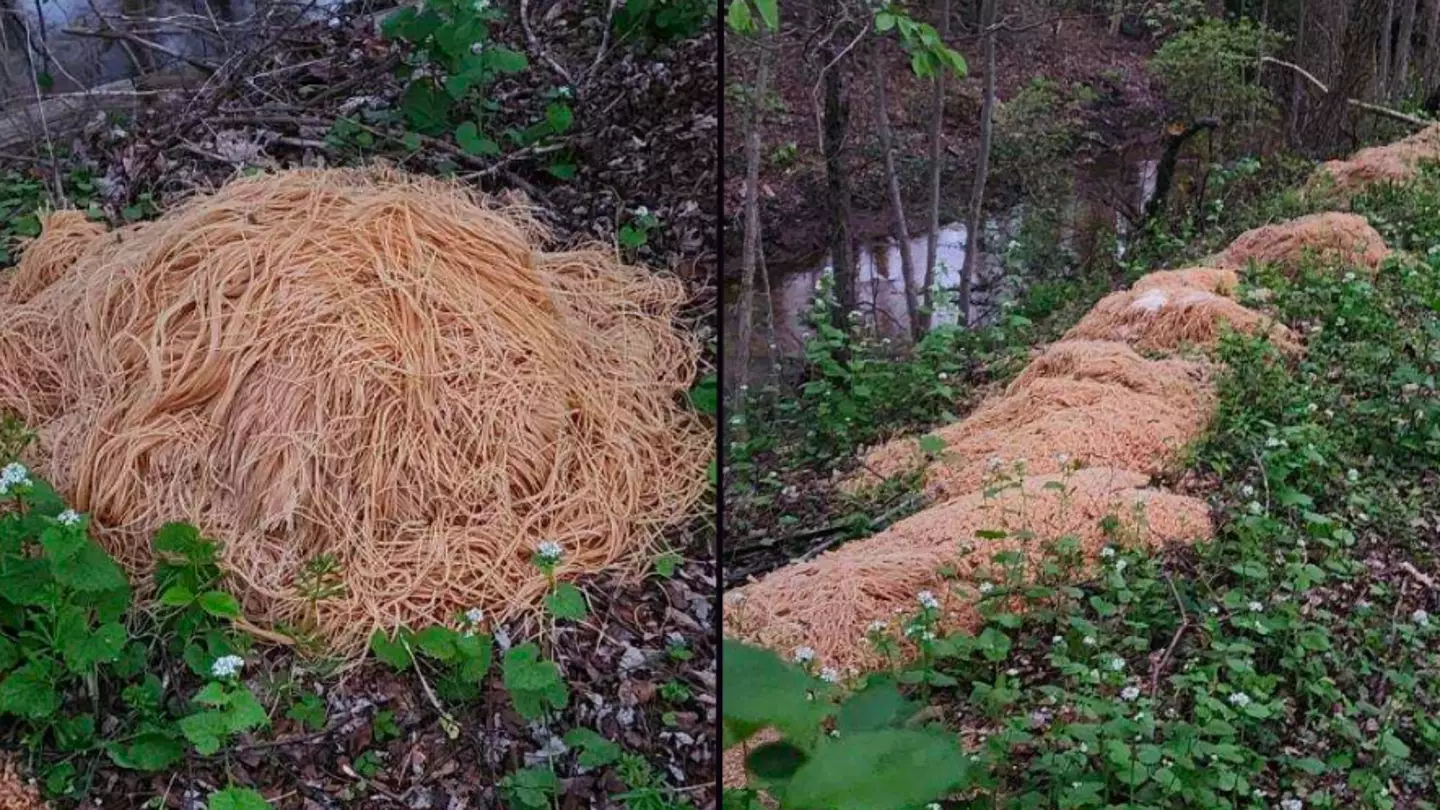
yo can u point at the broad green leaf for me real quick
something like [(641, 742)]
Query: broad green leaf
[(932, 444), (89, 569), (212, 694), (560, 117), (62, 542), (468, 136), (595, 750), (919, 767), (775, 761), (390, 651), (411, 141), (504, 60), (177, 596), (220, 604), (567, 602), (884, 21), (9, 654), (234, 798), (308, 711), (426, 107), (28, 692), (152, 751), (738, 17), (474, 653), (84, 651), (562, 171), (769, 13), (245, 712), (206, 730), (437, 642), (759, 690), (878, 706)]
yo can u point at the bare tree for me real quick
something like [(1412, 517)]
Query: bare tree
[(834, 130), (1297, 89), (751, 246), (1400, 76), (898, 227), (973, 222), (1387, 25), (1432, 42), (932, 238)]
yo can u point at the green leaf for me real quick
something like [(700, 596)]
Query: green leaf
[(178, 538), (769, 13), (151, 751), (28, 692), (468, 136), (212, 694), (667, 563), (84, 651), (390, 651), (759, 690), (567, 602), (426, 107), (1394, 746), (559, 117), (474, 653), (308, 711), (411, 141), (533, 684), (245, 711), (504, 60), (62, 542), (919, 767), (705, 396), (9, 654), (220, 604), (932, 444), (437, 642), (595, 750), (738, 17), (878, 706), (89, 569), (234, 798), (562, 171), (775, 761), (177, 596), (206, 730), (884, 21)]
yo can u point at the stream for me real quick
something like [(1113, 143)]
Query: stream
[(879, 287)]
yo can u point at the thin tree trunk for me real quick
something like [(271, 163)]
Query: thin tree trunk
[(973, 226), (1432, 42), (898, 226), (1297, 91), (1387, 27), (771, 330), (842, 247), (751, 244), (932, 238), (1400, 77)]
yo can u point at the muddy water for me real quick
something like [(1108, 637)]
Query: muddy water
[(880, 287)]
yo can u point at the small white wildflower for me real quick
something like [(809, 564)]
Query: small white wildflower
[(986, 587), (1107, 551), (1084, 749), (1240, 699), (1420, 617), (227, 666), (474, 615), (477, 47), (1214, 610), (1062, 458), (877, 626), (927, 600), (1273, 442), (1349, 277), (1088, 641), (829, 675), (69, 517), (1130, 693), (1248, 491), (642, 211), (1117, 664), (927, 636), (13, 475), (549, 551), (942, 376), (804, 655), (1255, 607), (676, 640), (1312, 408), (1352, 475), (1255, 508), (564, 91), (1291, 804), (932, 806), (1057, 640), (1012, 672)]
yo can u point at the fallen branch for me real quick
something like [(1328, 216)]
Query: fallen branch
[(1360, 105), (125, 36), (1425, 578)]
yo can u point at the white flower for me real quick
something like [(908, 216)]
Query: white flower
[(1420, 617), (804, 655), (932, 806), (1117, 664), (549, 551), (1130, 693), (477, 47), (1255, 607), (986, 587), (1291, 804), (877, 626), (927, 636), (1012, 672), (69, 517), (1107, 551), (1352, 475), (829, 675), (474, 615), (942, 376), (13, 475), (1088, 641), (1214, 610), (1057, 640), (1312, 408), (927, 600), (1273, 442), (1240, 699), (642, 211), (1248, 491), (1349, 277), (1062, 458), (227, 666), (1255, 508)]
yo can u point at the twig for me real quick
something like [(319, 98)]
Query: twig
[(447, 722), (537, 47), (1416, 573), (604, 41), (1165, 659), (345, 86), (1362, 105), (126, 36), (45, 125)]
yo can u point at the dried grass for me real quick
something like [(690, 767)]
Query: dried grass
[(1167, 319), (1218, 280), (366, 365), (1392, 163), (1329, 237), (827, 603)]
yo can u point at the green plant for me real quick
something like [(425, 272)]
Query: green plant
[(673, 691), (460, 658), (636, 233), (595, 750), (383, 727), (660, 21), (534, 684), (233, 798), (1213, 70), (530, 788), (309, 711)]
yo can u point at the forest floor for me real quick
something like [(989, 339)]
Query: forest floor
[(645, 127)]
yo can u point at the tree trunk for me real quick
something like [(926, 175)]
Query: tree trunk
[(1400, 76), (1297, 89), (932, 239), (973, 222), (842, 250), (899, 228), (1387, 28), (1432, 42), (751, 245), (1354, 75), (1165, 169)]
